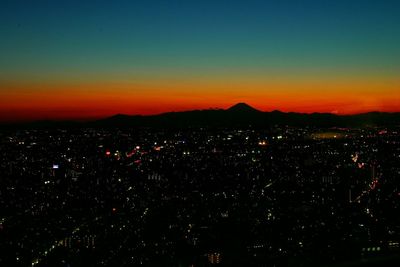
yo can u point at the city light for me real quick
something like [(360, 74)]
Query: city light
[(136, 205)]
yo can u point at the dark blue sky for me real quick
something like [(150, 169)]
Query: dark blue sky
[(41, 37)]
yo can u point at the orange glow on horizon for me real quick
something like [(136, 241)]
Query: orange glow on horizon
[(95, 100)]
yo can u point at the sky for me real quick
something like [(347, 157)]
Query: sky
[(91, 59)]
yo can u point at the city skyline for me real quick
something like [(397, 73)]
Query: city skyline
[(74, 60)]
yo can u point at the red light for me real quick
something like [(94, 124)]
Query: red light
[(130, 154), (374, 184), (108, 152), (114, 209)]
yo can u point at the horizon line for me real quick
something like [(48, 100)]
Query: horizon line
[(95, 118)]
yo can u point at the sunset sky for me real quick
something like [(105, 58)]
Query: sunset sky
[(91, 59)]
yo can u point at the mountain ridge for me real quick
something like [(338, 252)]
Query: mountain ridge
[(240, 114)]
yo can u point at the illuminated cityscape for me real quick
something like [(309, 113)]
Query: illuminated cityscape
[(184, 133), (283, 196)]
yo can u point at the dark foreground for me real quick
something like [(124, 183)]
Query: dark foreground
[(281, 197)]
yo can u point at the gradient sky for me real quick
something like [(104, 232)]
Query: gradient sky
[(88, 59)]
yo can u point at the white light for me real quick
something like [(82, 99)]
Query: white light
[(55, 166)]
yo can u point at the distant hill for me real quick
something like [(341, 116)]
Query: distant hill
[(240, 114)]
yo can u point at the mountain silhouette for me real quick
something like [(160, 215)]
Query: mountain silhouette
[(239, 115), (242, 114), (242, 107)]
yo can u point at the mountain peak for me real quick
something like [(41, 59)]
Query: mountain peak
[(242, 107)]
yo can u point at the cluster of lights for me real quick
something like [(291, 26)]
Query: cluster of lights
[(262, 143), (37, 260), (373, 249), (354, 157), (214, 258)]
